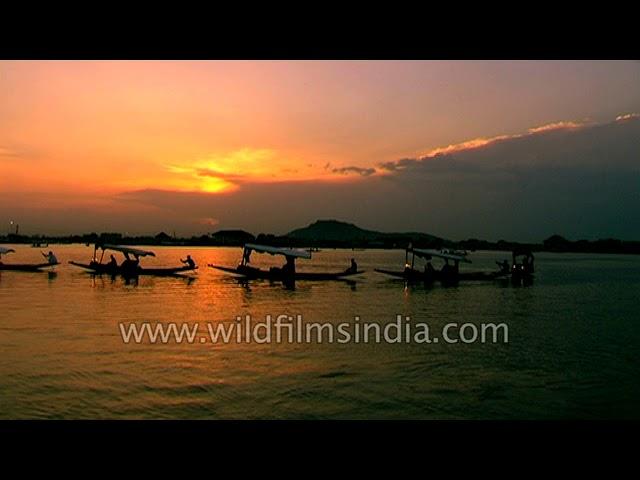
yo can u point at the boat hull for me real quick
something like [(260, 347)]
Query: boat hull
[(250, 272), (16, 267), (100, 269), (97, 268)]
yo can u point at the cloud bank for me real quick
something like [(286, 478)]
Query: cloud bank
[(580, 180)]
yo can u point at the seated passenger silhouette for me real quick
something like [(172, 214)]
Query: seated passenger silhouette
[(189, 261), (353, 268)]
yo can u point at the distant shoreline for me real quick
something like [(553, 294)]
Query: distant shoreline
[(555, 244), (330, 233)]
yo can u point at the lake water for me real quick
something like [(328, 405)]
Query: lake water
[(573, 346)]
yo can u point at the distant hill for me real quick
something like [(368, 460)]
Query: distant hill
[(232, 237), (334, 231)]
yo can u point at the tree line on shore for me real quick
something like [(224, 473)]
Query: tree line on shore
[(237, 238)]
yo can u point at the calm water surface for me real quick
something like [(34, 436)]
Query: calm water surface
[(573, 351)]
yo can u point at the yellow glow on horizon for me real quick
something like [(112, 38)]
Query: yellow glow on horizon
[(222, 172), (217, 185)]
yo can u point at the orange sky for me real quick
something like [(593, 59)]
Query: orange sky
[(82, 129)]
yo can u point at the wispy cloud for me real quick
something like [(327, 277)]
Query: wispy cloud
[(208, 221), (556, 126), (19, 151), (478, 143), (7, 152), (467, 145), (208, 172), (223, 172), (627, 116)]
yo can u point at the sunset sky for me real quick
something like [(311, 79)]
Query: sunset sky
[(458, 149)]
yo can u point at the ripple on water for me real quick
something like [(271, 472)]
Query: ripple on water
[(574, 340)]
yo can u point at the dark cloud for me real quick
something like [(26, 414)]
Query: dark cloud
[(364, 172), (594, 146), (578, 182), (398, 164)]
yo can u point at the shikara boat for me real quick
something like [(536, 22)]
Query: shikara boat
[(23, 267), (522, 271), (448, 274), (286, 273), (128, 268)]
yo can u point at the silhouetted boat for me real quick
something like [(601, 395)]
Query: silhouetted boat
[(281, 274), (23, 267), (448, 274), (523, 271), (128, 269)]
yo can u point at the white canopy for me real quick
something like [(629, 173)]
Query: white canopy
[(287, 252), (437, 253), (119, 248), (4, 250)]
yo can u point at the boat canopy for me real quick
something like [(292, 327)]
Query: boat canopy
[(287, 252), (428, 253), (4, 250), (119, 248)]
